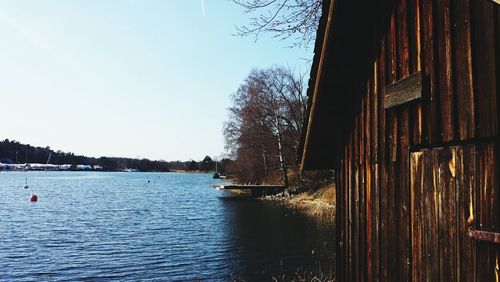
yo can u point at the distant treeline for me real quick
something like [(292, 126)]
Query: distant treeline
[(15, 152), (223, 166)]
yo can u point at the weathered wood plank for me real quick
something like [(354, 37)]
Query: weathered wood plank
[(431, 217), (466, 167), (392, 118), (406, 90), (373, 179), (368, 181), (383, 161), (417, 124), (392, 217), (362, 187), (483, 59), (392, 115), (403, 50), (378, 128), (374, 114), (445, 69), (417, 184), (447, 199), (350, 203), (376, 238), (462, 66), (431, 117), (404, 197), (391, 52), (375, 195), (488, 213), (414, 35), (416, 118), (355, 203), (497, 70), (402, 171)]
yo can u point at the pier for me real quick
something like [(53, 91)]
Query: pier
[(255, 190)]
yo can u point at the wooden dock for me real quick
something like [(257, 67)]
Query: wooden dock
[(247, 186), (255, 190)]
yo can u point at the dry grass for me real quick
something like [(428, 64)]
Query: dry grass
[(319, 203), (298, 276)]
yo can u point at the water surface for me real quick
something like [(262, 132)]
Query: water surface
[(98, 226)]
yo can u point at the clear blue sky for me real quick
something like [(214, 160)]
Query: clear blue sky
[(147, 78)]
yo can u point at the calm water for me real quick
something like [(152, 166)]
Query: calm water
[(97, 226)]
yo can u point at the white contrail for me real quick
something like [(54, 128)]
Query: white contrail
[(202, 7)]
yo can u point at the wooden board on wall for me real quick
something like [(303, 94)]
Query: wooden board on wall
[(404, 91)]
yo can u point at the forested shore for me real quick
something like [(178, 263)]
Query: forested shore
[(14, 152)]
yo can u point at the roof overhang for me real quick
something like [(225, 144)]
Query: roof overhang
[(337, 74)]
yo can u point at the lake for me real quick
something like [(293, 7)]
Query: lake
[(115, 226)]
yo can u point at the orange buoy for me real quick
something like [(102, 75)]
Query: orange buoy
[(33, 198)]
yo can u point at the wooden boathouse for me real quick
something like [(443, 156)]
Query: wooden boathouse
[(404, 106)]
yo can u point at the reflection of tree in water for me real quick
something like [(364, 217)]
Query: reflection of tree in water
[(271, 241)]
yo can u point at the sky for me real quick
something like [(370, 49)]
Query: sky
[(127, 78)]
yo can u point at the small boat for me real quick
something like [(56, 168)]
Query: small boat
[(130, 170), (26, 186), (216, 175)]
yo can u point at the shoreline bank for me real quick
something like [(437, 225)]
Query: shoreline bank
[(318, 203)]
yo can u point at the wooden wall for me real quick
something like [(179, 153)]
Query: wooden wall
[(384, 210)]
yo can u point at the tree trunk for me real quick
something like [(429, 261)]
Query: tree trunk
[(283, 167), (264, 159)]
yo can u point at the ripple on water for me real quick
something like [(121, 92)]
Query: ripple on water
[(115, 227)]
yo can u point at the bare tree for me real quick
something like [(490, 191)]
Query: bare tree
[(265, 121), (296, 19)]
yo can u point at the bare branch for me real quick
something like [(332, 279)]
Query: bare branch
[(285, 19)]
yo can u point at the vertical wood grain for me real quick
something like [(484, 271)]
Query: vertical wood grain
[(431, 118), (417, 187), (466, 167), (445, 69), (488, 210), (483, 60), (462, 67)]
